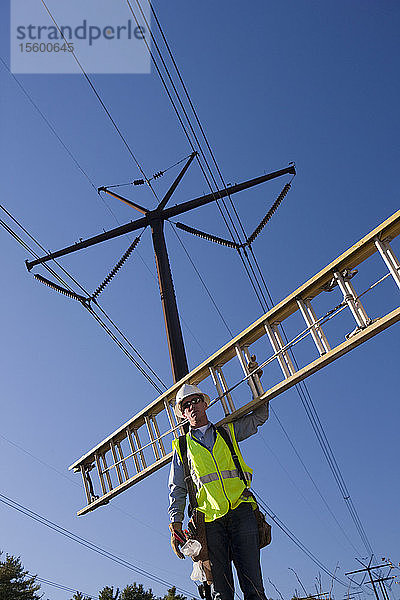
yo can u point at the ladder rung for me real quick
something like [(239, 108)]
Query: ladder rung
[(220, 391), (116, 462), (106, 471), (100, 473), (133, 449), (139, 445), (123, 461)]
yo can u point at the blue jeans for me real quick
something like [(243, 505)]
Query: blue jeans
[(234, 537)]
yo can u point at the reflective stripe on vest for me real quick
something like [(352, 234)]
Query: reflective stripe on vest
[(224, 474), (217, 481)]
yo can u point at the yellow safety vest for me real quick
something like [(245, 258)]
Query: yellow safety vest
[(216, 479)]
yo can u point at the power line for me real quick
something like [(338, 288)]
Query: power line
[(302, 390), (272, 515), (248, 268), (242, 258), (84, 542), (106, 110), (120, 344), (324, 443), (56, 134), (202, 281), (49, 125), (312, 479), (75, 483), (299, 490), (60, 586)]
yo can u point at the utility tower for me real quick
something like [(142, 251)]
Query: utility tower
[(377, 581), (155, 219)]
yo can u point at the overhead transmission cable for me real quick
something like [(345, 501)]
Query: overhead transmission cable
[(155, 176), (56, 134), (86, 543), (76, 484), (110, 555), (52, 129), (313, 480), (66, 588), (150, 377), (246, 267), (315, 421), (106, 110), (296, 540), (202, 281), (202, 130)]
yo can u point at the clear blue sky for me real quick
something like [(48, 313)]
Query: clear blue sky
[(311, 82)]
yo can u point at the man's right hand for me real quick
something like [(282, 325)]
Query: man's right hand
[(177, 538)]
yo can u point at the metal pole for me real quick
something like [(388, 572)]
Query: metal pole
[(373, 584), (168, 300)]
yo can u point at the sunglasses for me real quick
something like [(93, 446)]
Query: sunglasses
[(189, 403)]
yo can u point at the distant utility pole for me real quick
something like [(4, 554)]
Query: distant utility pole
[(155, 219), (375, 580)]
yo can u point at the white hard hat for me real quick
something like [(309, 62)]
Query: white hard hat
[(185, 391)]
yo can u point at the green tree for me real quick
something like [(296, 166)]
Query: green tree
[(137, 592), (15, 583), (107, 593), (172, 595), (78, 596)]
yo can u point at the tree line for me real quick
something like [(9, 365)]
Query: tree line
[(18, 584)]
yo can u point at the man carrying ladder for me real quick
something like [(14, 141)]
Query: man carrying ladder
[(221, 481)]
